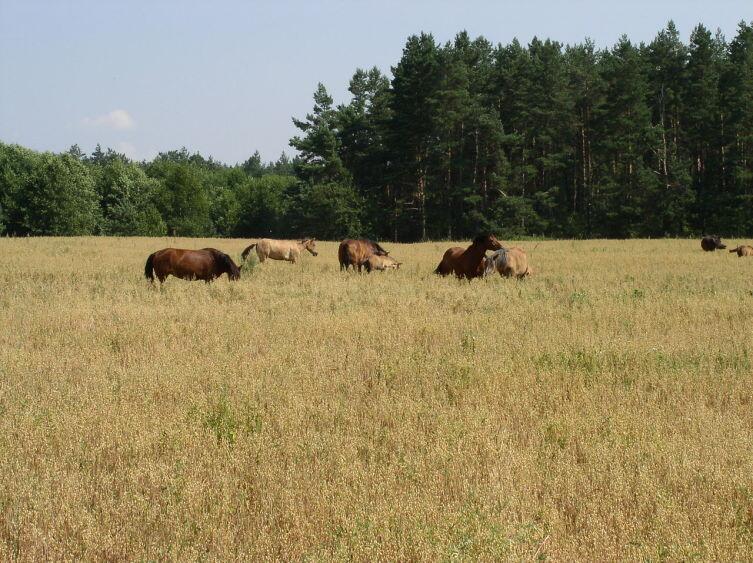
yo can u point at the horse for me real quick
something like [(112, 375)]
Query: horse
[(381, 263), (205, 264), (467, 263), (354, 252), (743, 250), (711, 242), (289, 250), (508, 262)]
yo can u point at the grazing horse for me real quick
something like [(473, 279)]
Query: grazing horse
[(205, 264), (468, 262), (743, 250), (381, 263), (711, 242), (508, 262), (289, 250), (354, 252)]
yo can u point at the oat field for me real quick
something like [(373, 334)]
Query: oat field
[(599, 410)]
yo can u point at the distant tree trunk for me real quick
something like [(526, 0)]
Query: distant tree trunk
[(421, 189), (583, 160), (664, 168), (475, 158), (448, 191)]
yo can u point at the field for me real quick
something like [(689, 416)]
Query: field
[(598, 410)]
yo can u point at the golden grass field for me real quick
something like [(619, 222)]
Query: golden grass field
[(599, 410)]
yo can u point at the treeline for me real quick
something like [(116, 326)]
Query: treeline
[(177, 193), (545, 139), (639, 140)]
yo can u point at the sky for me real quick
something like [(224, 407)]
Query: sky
[(225, 77)]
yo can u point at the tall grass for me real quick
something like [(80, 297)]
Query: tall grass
[(598, 410)]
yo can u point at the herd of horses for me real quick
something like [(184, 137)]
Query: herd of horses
[(712, 242), (209, 263), (465, 263)]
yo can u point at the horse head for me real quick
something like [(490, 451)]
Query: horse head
[(228, 266), (487, 242), (310, 245)]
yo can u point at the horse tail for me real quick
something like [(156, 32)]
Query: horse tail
[(342, 256), (248, 249), (149, 267)]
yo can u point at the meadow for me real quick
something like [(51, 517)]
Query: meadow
[(598, 410)]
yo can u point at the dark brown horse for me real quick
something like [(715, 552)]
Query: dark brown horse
[(354, 252), (205, 264), (467, 262), (711, 242)]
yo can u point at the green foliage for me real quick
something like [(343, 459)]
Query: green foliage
[(329, 211), (60, 198), (17, 169), (228, 421), (184, 203), (264, 205), (127, 197)]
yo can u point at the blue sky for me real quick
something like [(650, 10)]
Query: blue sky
[(225, 77)]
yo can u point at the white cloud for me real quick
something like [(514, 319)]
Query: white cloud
[(127, 149), (118, 119)]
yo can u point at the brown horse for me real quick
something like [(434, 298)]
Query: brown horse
[(354, 252), (205, 264), (469, 262)]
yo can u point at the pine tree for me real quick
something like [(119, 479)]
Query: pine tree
[(320, 146), (737, 99), (672, 206), (415, 82), (626, 184), (704, 124), (587, 88)]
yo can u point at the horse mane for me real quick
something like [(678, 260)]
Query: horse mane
[(225, 260), (481, 238), (377, 246)]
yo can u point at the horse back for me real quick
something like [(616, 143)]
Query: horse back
[(278, 249), (185, 264)]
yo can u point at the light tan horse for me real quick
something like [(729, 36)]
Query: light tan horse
[(381, 263), (743, 250), (509, 262), (289, 250)]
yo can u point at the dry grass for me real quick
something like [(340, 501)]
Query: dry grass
[(599, 410)]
